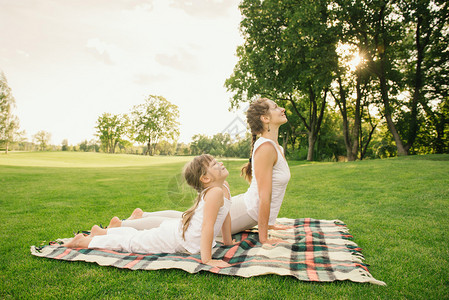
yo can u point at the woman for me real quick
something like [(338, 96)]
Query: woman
[(267, 171)]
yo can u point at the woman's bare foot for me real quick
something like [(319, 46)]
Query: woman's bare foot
[(115, 222), (97, 230), (79, 241), (137, 214)]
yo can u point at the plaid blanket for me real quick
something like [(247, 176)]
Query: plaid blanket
[(315, 250)]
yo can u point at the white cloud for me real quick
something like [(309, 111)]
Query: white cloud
[(101, 51), (204, 8), (148, 79), (23, 53), (182, 60)]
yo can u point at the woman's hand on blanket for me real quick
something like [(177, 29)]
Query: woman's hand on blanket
[(280, 227), (274, 242), (218, 263)]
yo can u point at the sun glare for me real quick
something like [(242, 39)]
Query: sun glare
[(355, 61), (349, 56)]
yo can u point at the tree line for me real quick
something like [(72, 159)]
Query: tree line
[(301, 54), (147, 123)]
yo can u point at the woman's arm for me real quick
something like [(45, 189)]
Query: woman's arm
[(264, 160)]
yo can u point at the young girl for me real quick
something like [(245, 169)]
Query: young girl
[(194, 233)]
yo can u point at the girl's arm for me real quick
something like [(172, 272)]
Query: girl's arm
[(213, 201), (264, 159), (226, 231)]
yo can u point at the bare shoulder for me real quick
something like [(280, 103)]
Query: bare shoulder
[(266, 152), (214, 193)]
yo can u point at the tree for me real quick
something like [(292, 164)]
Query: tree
[(155, 119), (112, 129), (427, 76), (288, 54), (65, 145), (406, 50), (42, 138), (165, 148), (9, 123)]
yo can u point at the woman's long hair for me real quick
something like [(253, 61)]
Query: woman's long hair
[(256, 109), (192, 174)]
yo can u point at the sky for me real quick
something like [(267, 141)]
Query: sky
[(69, 61)]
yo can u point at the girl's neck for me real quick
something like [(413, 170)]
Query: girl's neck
[(215, 183), (273, 134)]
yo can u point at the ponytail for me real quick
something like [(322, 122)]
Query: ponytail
[(256, 109), (188, 214), (248, 168)]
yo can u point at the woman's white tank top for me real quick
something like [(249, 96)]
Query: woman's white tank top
[(280, 178), (192, 242)]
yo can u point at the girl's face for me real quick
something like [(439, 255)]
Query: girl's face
[(276, 113), (216, 170)]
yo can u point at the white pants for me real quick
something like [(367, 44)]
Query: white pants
[(152, 219), (240, 220), (163, 239)]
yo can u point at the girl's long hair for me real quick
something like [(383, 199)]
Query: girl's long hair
[(256, 109), (192, 174)]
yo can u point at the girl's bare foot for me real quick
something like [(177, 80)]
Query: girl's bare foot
[(115, 222), (75, 242), (137, 214), (97, 230)]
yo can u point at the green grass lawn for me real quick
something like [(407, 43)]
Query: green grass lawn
[(397, 209)]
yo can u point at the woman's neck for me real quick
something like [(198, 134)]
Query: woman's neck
[(273, 134)]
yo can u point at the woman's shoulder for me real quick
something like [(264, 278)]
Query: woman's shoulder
[(266, 145), (262, 141)]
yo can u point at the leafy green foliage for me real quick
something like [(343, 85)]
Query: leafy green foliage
[(9, 123), (221, 145), (42, 138), (288, 54), (112, 130), (155, 119)]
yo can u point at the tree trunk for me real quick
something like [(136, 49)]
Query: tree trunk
[(381, 74), (312, 140), (149, 152), (439, 143), (284, 143), (386, 101), (357, 119), (418, 82), (350, 136)]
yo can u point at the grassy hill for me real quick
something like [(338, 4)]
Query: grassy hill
[(397, 210)]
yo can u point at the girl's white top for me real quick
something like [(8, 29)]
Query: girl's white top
[(280, 178), (192, 241)]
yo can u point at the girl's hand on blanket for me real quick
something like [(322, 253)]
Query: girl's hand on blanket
[(218, 263)]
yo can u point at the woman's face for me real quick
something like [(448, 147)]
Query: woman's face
[(276, 113)]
